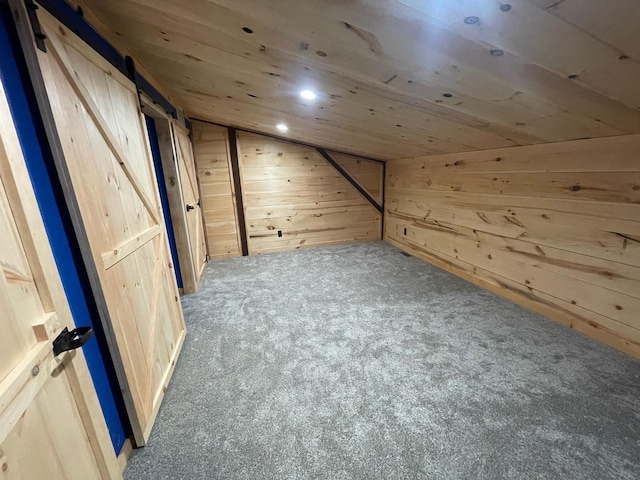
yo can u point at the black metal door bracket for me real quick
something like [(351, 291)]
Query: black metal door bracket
[(70, 340), (35, 25)]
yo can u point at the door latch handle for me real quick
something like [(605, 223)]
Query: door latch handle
[(190, 207), (70, 340)]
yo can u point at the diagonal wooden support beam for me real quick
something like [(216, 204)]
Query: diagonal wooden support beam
[(235, 170), (349, 178)]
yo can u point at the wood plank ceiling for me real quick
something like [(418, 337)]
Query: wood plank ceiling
[(395, 78)]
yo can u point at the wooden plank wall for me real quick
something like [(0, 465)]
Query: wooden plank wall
[(555, 227), (286, 187), (290, 188), (211, 148), (368, 173)]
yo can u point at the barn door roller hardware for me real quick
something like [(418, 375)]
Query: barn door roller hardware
[(38, 34), (74, 20), (70, 340), (144, 86)]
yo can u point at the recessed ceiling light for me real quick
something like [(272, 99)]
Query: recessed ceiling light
[(282, 127), (308, 94)]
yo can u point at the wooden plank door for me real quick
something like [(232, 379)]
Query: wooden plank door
[(181, 183), (51, 424), (191, 198), (106, 152)]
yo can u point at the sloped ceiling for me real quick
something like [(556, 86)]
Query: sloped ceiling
[(395, 78)]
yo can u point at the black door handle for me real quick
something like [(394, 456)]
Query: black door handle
[(70, 340), (190, 207)]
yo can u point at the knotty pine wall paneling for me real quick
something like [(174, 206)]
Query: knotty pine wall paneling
[(293, 198), (554, 227), (369, 174), (290, 188)]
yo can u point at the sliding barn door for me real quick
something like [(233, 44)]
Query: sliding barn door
[(51, 425), (107, 154), (191, 197)]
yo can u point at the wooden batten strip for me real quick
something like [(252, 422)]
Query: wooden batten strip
[(94, 112), (165, 383), (349, 178), (46, 329), (12, 186), (383, 186), (199, 196), (19, 388), (235, 174), (176, 139), (157, 278), (109, 259)]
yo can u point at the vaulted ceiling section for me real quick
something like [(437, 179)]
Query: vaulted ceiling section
[(395, 78)]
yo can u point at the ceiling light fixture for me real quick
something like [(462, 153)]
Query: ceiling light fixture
[(282, 127), (308, 94)]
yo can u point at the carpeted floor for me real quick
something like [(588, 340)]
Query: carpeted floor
[(359, 362)]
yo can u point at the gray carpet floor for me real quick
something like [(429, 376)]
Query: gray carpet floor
[(359, 362)]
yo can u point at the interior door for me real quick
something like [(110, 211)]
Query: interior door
[(191, 196), (106, 149), (51, 424)]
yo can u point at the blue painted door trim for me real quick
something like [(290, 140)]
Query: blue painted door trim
[(58, 226), (164, 197)]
